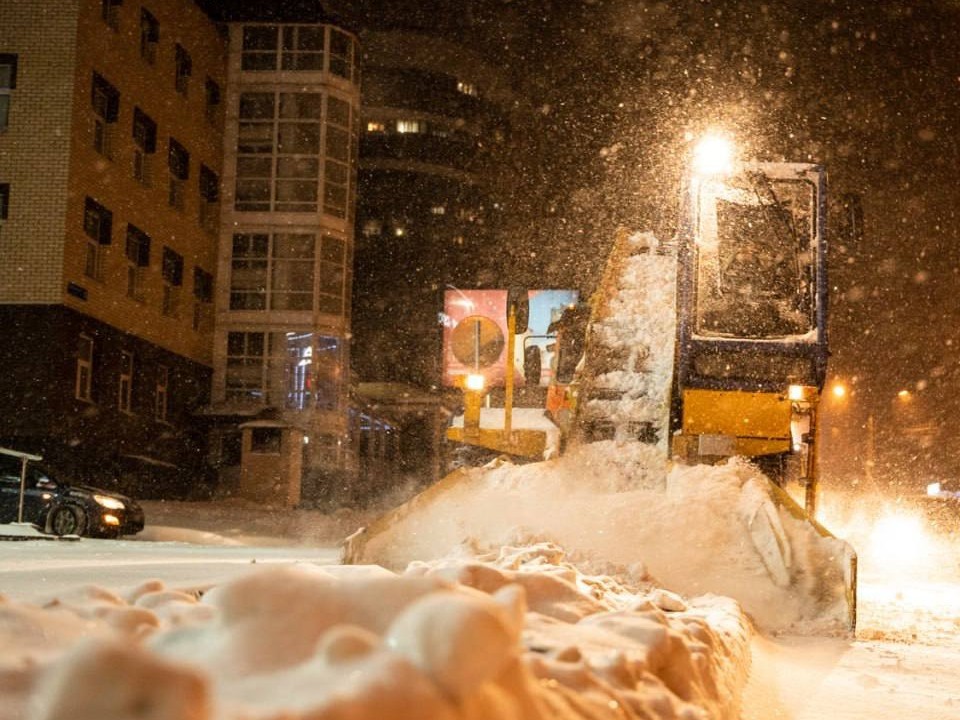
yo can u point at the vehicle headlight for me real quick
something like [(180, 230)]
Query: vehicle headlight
[(108, 502)]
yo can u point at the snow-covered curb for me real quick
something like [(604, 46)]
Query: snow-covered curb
[(523, 635)]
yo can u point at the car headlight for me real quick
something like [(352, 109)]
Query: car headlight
[(108, 502)]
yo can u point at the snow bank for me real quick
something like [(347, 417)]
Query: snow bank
[(522, 634), (697, 529)]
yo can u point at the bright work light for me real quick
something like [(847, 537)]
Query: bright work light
[(713, 155), (474, 382)]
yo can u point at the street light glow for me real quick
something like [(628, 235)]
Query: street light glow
[(839, 391), (713, 155)]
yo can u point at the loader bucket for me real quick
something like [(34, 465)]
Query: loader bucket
[(721, 529)]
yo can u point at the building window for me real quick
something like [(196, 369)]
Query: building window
[(98, 227), (145, 146), (125, 389), (372, 228), (333, 267), (410, 126), (202, 298), (212, 100), (149, 36), (183, 69), (172, 269), (209, 186), (138, 259), (302, 47), (438, 210), (376, 127), (105, 100), (259, 48), (8, 82), (341, 54), (295, 370), (110, 12), (272, 272), (83, 387), (467, 88), (178, 160), (265, 440), (162, 393), (4, 201), (280, 160)]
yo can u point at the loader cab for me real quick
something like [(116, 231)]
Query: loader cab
[(752, 309)]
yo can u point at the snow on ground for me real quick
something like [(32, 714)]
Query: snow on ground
[(522, 634)]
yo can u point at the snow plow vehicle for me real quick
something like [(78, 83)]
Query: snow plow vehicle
[(710, 349)]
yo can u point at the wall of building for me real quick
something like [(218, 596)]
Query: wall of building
[(34, 147), (108, 177)]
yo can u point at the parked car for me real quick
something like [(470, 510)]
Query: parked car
[(56, 506)]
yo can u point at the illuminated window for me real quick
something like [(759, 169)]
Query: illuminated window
[(438, 210), (183, 69), (172, 270), (125, 389), (178, 160), (145, 146), (410, 126), (376, 127), (149, 36), (105, 100), (467, 88), (98, 227), (161, 393), (110, 12), (372, 228), (83, 386)]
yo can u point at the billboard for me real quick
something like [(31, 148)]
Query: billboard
[(475, 334)]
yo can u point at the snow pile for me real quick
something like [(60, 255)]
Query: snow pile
[(630, 351), (697, 529), (521, 635)]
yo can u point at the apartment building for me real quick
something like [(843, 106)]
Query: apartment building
[(111, 125)]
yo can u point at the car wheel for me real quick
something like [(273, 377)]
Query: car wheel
[(68, 520)]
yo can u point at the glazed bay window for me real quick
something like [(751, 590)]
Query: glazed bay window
[(259, 48), (302, 47), (145, 146), (149, 36), (125, 389), (342, 50), (98, 227), (333, 276), (8, 82), (105, 100), (172, 267), (272, 272), (178, 160), (209, 187), (294, 370), (280, 160), (138, 260)]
